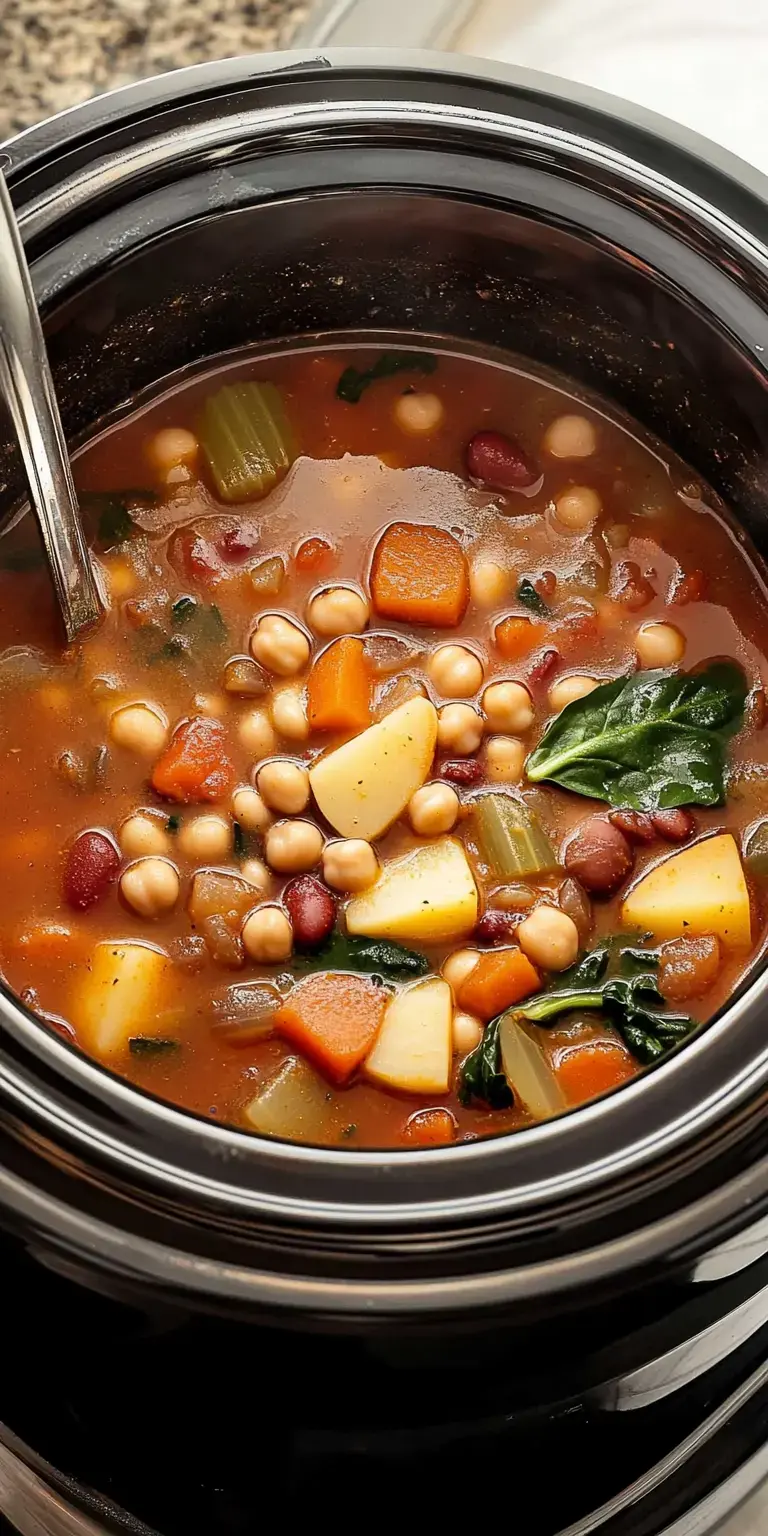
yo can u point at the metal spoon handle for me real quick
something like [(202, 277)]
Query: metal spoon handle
[(27, 387)]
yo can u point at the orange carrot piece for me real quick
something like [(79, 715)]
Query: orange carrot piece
[(430, 1128), (500, 978), (333, 1018), (195, 765), (314, 556), (586, 1071), (420, 575), (340, 688), (516, 637)]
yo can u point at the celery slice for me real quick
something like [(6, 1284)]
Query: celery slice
[(528, 1072), (246, 439), (511, 839)]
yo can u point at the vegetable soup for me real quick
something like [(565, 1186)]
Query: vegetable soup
[(413, 788)]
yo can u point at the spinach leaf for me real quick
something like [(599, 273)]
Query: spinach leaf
[(112, 509), (244, 843), (354, 381), (377, 957), (482, 1074), (193, 624), (651, 741), (530, 598), (152, 1045), (173, 823)]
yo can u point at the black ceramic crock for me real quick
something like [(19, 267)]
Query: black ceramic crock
[(529, 1289)]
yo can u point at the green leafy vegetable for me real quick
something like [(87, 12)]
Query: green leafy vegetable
[(152, 1045), (527, 594), (354, 381), (482, 1074), (652, 741), (376, 957), (246, 438), (194, 625), (173, 823), (243, 842), (112, 511)]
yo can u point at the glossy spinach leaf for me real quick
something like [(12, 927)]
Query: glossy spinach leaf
[(650, 741), (530, 598), (376, 957), (354, 381), (482, 1075)]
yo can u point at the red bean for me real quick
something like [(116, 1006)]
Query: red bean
[(599, 856), (467, 771), (494, 927), (674, 826), (635, 825), (634, 591), (500, 463), (91, 865), (236, 544), (690, 589), (544, 666), (312, 910)]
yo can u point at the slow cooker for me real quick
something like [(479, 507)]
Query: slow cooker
[(567, 1328)]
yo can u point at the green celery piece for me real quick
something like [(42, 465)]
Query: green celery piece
[(246, 439), (511, 838)]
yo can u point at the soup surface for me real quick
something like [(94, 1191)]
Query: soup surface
[(411, 790)]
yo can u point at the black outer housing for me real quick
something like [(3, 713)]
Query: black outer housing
[(278, 197)]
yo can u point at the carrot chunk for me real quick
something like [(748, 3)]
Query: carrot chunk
[(420, 575), (340, 688), (333, 1018), (430, 1128), (516, 637), (500, 978), (195, 765), (585, 1071)]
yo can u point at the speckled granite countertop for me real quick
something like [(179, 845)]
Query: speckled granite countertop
[(54, 53)]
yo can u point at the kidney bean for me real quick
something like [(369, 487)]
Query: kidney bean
[(674, 826), (91, 865), (634, 590), (500, 463), (690, 589), (312, 910), (236, 544), (467, 771), (544, 666), (599, 856), (635, 825), (494, 927)]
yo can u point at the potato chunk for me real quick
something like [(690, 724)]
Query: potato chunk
[(120, 996), (428, 896), (364, 786), (412, 1051), (699, 890)]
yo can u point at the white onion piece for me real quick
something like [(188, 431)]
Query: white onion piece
[(293, 1103), (528, 1072)]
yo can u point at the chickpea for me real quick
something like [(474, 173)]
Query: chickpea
[(570, 437), (418, 412), (467, 1033), (433, 809), (567, 689), (279, 645), (122, 580), (549, 938), (504, 760), (256, 734), (350, 864), (249, 809), (170, 448), (284, 786), (255, 872), (213, 704), (289, 713), (659, 645), (459, 729), (508, 707), (489, 583), (455, 671), (293, 846), (150, 887), (139, 729), (267, 935), (338, 611), (206, 839), (578, 508), (458, 966), (143, 833)]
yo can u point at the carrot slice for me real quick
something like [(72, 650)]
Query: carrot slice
[(516, 637), (585, 1071), (340, 688), (333, 1018), (430, 1128), (500, 978), (195, 765), (420, 575)]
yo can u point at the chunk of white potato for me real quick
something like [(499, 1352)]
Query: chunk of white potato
[(120, 996), (428, 895), (413, 1047), (293, 1103), (362, 787), (699, 890)]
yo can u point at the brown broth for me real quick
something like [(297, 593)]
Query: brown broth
[(358, 473)]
